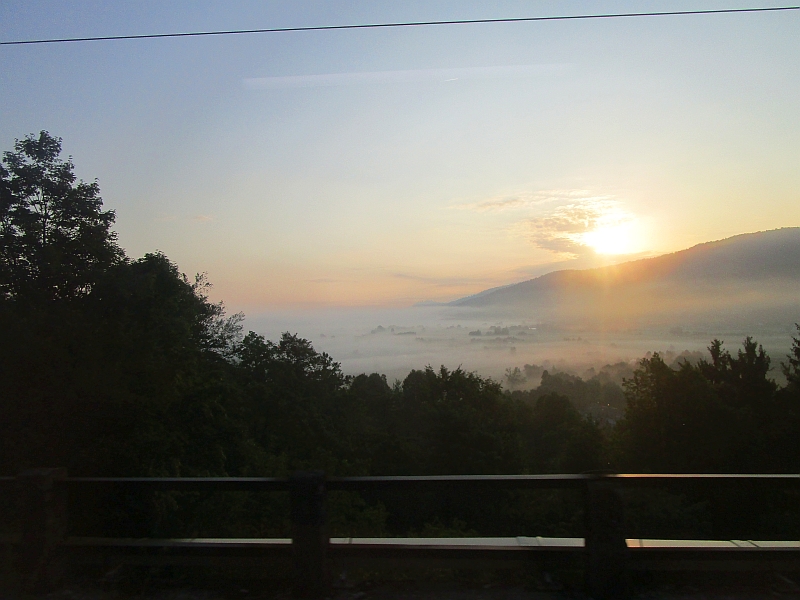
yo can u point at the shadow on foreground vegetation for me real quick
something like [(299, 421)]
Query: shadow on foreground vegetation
[(113, 366)]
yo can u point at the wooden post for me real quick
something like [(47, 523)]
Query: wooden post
[(43, 508), (309, 535), (606, 550)]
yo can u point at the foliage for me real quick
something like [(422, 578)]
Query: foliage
[(599, 396), (791, 370), (722, 415), (54, 238)]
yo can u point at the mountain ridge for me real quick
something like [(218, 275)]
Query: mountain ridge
[(750, 271)]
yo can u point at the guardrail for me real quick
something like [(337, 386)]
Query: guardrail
[(43, 550)]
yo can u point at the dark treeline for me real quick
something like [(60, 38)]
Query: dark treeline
[(599, 396), (113, 366)]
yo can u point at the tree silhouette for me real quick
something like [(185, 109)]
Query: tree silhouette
[(55, 239), (792, 369)]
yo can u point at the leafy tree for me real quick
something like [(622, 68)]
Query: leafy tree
[(720, 415), (515, 378), (744, 377), (785, 433), (599, 397), (673, 421), (792, 370), (55, 239), (562, 440), (459, 422), (130, 379), (108, 365), (295, 399)]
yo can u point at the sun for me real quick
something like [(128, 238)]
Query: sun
[(611, 239)]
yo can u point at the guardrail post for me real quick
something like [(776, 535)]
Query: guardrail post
[(606, 550), (309, 534), (43, 508)]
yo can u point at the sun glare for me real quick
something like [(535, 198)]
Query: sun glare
[(615, 239), (601, 224)]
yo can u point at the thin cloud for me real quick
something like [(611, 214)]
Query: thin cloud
[(403, 76), (496, 204), (203, 218), (560, 244), (440, 281), (522, 200)]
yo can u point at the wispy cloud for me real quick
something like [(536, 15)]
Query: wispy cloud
[(496, 204), (403, 76), (203, 218), (441, 281), (523, 200)]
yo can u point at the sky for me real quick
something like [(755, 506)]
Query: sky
[(388, 167)]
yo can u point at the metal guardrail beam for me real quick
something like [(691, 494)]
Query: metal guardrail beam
[(276, 553), (456, 482), (184, 484), (425, 482), (605, 551)]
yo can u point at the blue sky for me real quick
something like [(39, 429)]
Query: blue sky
[(387, 167)]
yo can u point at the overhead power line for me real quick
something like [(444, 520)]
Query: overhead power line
[(401, 24)]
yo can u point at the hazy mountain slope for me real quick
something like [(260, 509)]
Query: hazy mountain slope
[(752, 276)]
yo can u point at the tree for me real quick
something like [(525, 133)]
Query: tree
[(515, 378), (792, 369), (561, 439), (674, 421), (107, 365), (55, 239), (722, 415)]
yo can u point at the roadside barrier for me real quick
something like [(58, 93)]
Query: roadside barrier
[(43, 551)]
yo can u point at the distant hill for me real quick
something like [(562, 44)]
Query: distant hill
[(746, 279)]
